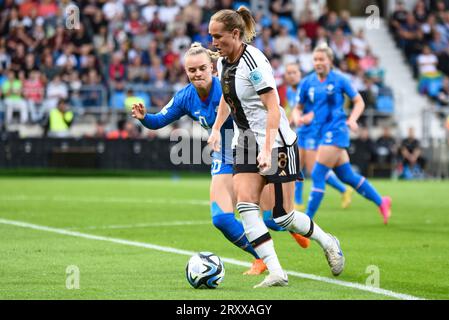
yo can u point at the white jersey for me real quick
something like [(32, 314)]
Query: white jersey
[(242, 82)]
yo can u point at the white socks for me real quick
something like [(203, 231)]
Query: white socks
[(299, 222), (258, 236)]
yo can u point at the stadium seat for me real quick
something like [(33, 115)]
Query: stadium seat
[(289, 24), (117, 100)]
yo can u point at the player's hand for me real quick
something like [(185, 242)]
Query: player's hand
[(307, 118), (214, 140), (138, 111), (264, 160), (352, 125)]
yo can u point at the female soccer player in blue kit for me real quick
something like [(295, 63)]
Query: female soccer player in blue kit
[(307, 139), (199, 100), (322, 93)]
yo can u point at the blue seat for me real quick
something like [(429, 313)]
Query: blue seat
[(237, 4), (385, 104), (289, 24), (117, 100)]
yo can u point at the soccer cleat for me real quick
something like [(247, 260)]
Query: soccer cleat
[(258, 267), (385, 209), (300, 207), (301, 240), (335, 257), (273, 280), (346, 198)]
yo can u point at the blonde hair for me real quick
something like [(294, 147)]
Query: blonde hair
[(196, 48), (324, 48), (240, 19)]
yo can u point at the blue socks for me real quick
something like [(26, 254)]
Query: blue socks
[(269, 222), (359, 183), (298, 192), (318, 188), (231, 228), (332, 180)]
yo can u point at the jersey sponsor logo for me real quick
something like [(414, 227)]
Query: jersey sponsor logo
[(256, 77)]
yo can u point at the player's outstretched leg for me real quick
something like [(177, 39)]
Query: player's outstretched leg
[(233, 230), (364, 188), (346, 193), (260, 239)]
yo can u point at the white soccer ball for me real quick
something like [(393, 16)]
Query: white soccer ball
[(205, 270)]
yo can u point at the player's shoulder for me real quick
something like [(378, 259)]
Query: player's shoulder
[(253, 57), (184, 95), (308, 79)]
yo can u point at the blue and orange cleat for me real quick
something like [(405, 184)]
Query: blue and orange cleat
[(385, 209), (258, 267), (301, 240)]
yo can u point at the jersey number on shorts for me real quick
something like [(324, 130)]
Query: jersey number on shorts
[(216, 166)]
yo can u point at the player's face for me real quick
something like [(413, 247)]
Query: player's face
[(199, 70), (321, 63), (292, 75), (225, 41)]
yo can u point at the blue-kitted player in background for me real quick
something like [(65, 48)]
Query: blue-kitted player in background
[(322, 92), (199, 100), (307, 139)]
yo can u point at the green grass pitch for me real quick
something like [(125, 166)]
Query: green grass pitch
[(411, 253)]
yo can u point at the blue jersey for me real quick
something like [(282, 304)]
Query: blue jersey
[(187, 102), (326, 100)]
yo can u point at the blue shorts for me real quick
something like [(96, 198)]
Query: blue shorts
[(307, 140), (218, 167), (335, 137)]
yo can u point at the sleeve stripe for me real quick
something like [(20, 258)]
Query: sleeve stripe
[(250, 57), (250, 66), (264, 90)]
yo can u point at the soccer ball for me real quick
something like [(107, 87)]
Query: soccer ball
[(205, 270)]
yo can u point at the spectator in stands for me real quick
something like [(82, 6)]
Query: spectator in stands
[(410, 36), (125, 130), (376, 73), (386, 148), (137, 73), (282, 8), (56, 90), (362, 150), (398, 17), (345, 23), (412, 160), (12, 90), (429, 76), (283, 41), (33, 92), (131, 99), (58, 121)]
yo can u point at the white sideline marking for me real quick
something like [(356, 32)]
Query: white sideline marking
[(107, 199), (146, 225), (353, 285)]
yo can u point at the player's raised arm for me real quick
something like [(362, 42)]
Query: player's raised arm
[(170, 113)]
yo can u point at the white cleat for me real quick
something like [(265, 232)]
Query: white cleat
[(335, 256), (273, 280)]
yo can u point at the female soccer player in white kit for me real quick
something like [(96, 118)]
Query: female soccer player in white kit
[(265, 147)]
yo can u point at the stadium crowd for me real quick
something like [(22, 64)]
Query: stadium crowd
[(128, 51), (124, 51), (423, 35)]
